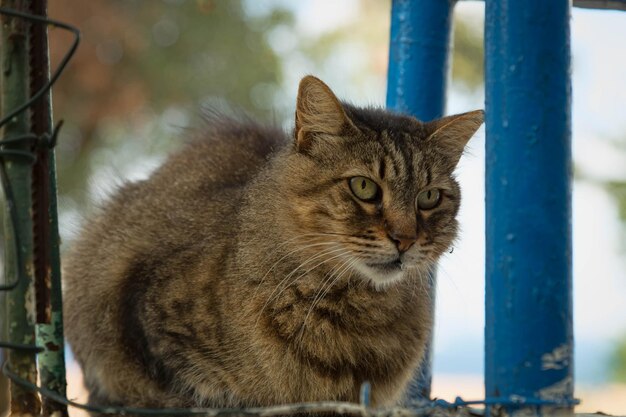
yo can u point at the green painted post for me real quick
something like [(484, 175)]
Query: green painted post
[(16, 174), (4, 381)]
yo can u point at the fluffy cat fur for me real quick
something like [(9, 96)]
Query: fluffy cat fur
[(246, 272)]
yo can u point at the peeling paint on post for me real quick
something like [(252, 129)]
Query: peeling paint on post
[(419, 52), (51, 363), (20, 301), (528, 332)]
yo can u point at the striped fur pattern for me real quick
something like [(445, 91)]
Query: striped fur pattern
[(246, 271)]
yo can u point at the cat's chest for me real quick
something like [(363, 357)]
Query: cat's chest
[(344, 316), (348, 334)]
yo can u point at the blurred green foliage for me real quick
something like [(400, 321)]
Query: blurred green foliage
[(617, 364), (618, 190), (467, 61), (139, 58)]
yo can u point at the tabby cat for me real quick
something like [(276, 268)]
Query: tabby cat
[(257, 268)]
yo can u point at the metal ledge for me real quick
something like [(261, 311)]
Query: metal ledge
[(601, 4)]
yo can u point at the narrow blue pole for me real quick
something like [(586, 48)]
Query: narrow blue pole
[(528, 333), (419, 52)]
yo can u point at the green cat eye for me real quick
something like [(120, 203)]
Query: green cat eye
[(364, 188), (428, 199)]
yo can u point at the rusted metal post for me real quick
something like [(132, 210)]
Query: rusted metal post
[(16, 174), (51, 362)]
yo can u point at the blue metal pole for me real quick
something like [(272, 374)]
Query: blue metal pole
[(419, 53), (528, 333)]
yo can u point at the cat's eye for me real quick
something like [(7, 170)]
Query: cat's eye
[(429, 199), (364, 188)]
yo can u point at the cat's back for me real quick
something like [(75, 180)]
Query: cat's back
[(194, 187), (193, 198), (225, 153), (186, 209)]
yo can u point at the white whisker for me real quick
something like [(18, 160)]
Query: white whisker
[(299, 249), (317, 256), (320, 296)]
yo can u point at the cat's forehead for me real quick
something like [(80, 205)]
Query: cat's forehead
[(400, 159), (375, 121), (390, 157)]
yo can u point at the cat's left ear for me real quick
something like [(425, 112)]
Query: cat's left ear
[(453, 132), (318, 112)]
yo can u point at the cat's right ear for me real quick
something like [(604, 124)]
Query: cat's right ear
[(318, 112), (452, 133)]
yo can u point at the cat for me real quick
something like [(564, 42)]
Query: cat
[(256, 268)]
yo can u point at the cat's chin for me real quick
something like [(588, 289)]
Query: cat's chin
[(381, 276)]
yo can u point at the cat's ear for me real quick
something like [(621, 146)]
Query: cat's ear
[(318, 112), (453, 132)]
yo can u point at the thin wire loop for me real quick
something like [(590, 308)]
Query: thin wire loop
[(419, 408), (57, 73)]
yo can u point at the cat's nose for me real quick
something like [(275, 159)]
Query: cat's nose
[(403, 242)]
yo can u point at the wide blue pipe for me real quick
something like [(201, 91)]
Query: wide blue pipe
[(528, 332), (419, 52)]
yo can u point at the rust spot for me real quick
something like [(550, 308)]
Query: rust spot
[(52, 347)]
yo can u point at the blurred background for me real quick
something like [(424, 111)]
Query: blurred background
[(145, 68)]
